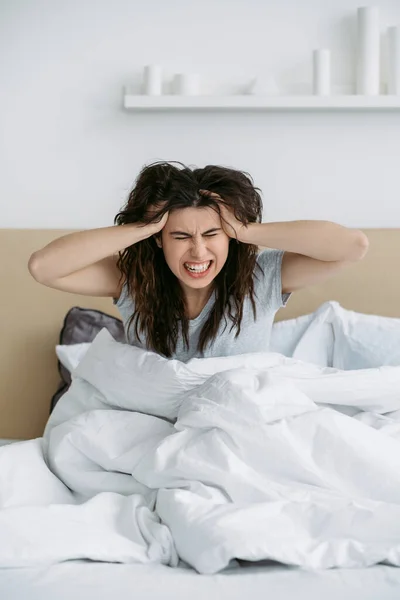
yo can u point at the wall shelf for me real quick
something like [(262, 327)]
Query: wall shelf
[(246, 102)]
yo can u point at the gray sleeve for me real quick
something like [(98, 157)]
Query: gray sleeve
[(125, 304), (126, 308), (122, 298), (268, 287)]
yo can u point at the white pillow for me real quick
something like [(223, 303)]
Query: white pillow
[(71, 355), (286, 334), (365, 341), (129, 377), (308, 338)]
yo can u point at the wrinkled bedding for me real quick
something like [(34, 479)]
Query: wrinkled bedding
[(258, 456)]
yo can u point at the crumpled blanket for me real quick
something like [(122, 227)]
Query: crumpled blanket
[(252, 457)]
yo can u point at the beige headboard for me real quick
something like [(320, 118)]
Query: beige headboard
[(32, 316)]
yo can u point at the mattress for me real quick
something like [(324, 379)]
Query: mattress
[(100, 581)]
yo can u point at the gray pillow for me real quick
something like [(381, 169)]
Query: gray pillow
[(82, 325)]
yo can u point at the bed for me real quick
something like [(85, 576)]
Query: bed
[(31, 320)]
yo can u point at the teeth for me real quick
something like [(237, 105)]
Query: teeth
[(197, 269)]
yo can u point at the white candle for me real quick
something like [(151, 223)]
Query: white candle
[(152, 80), (321, 72), (368, 51), (187, 84), (393, 38)]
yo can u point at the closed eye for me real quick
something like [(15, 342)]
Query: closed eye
[(185, 238)]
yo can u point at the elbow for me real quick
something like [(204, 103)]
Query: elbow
[(35, 268), (361, 245)]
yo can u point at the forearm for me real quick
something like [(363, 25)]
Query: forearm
[(77, 250), (323, 240)]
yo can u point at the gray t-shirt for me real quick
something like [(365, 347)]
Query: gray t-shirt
[(254, 335)]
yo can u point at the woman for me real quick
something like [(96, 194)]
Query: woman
[(182, 262)]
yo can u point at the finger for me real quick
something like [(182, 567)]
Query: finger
[(211, 194)]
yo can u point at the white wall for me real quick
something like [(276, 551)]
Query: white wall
[(69, 152)]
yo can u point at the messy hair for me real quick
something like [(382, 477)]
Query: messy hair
[(158, 297)]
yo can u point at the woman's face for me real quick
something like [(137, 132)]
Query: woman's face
[(193, 237)]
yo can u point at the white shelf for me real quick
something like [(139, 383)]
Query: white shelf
[(245, 102)]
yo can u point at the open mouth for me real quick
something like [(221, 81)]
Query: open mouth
[(199, 270)]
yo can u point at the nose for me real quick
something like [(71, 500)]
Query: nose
[(199, 250)]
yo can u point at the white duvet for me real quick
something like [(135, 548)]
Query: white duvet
[(257, 456)]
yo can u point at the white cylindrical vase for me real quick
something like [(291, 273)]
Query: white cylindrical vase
[(187, 84), (393, 54), (321, 72), (152, 80), (368, 44)]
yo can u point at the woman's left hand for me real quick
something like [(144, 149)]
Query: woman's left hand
[(230, 224)]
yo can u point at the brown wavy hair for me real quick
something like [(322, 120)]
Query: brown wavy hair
[(158, 297)]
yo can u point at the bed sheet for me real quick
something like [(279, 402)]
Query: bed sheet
[(266, 579)]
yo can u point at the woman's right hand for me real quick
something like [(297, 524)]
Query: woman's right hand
[(85, 262), (154, 226), (158, 225)]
